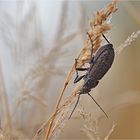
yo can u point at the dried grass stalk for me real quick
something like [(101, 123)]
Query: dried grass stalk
[(127, 42), (99, 26)]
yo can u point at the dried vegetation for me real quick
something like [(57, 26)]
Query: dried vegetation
[(40, 75)]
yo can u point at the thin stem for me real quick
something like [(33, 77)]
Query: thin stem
[(59, 100)]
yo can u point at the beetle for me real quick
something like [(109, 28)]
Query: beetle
[(98, 67)]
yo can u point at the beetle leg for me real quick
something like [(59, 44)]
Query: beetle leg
[(78, 78), (75, 106), (79, 69), (106, 39), (77, 75), (82, 69)]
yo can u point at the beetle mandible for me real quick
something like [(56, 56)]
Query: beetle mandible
[(99, 65)]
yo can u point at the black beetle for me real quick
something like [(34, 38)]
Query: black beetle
[(99, 65)]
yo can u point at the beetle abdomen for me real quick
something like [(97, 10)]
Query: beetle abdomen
[(102, 62)]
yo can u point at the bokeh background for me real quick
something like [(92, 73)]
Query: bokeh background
[(39, 41)]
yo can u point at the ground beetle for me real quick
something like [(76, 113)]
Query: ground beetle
[(99, 65)]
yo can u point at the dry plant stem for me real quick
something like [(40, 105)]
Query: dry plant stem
[(110, 132), (98, 28), (127, 42), (59, 100), (62, 43), (44, 125), (64, 111)]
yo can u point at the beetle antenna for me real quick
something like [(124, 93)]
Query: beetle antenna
[(74, 106), (106, 39), (98, 105), (91, 43)]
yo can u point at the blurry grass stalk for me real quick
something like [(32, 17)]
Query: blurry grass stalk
[(6, 118), (128, 42)]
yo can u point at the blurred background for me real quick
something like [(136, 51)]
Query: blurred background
[(39, 41)]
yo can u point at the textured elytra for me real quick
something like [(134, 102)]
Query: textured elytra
[(102, 62)]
